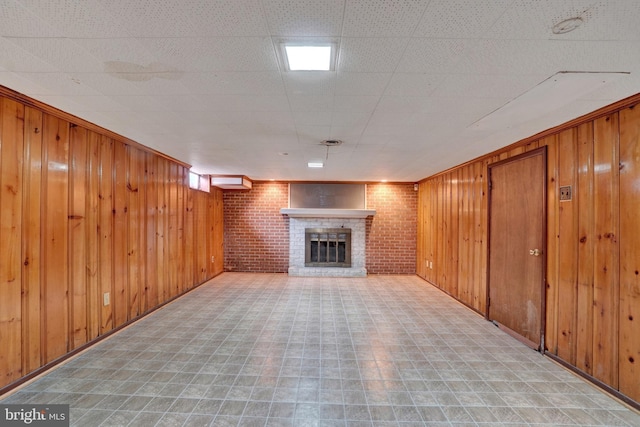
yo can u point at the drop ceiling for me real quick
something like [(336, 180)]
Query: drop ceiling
[(200, 80)]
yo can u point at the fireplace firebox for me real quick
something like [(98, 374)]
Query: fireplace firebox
[(327, 247)]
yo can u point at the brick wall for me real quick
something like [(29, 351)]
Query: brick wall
[(392, 232), (256, 234)]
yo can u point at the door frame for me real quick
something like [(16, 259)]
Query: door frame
[(543, 285)]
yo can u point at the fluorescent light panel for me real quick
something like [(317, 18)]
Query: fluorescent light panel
[(309, 58), (315, 164)]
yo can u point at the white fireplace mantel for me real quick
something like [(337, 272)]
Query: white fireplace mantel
[(327, 213)]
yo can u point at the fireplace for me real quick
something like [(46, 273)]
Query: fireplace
[(327, 247), (327, 242)]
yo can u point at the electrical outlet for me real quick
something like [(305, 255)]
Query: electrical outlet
[(565, 193), (106, 299), (213, 259), (431, 265)]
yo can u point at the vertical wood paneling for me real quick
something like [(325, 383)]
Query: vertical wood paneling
[(94, 236), (105, 225), (567, 278), (11, 187), (140, 222), (180, 210), (78, 174), (173, 243), (480, 219), (606, 179), (31, 242), (551, 335), (428, 232), (465, 227), (453, 244), (201, 237), (584, 194), (420, 256), (161, 231), (592, 280), (218, 233), (135, 220), (79, 218), (151, 262), (189, 231), (629, 341), (55, 292), (120, 235), (440, 249), (433, 263), (209, 233)]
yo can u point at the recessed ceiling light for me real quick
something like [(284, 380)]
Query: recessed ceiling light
[(315, 164), (309, 58)]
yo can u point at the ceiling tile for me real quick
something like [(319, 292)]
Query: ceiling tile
[(382, 18), (160, 86), (487, 85), (61, 84), (512, 57), (355, 104), (19, 21), (220, 103), (227, 18), (596, 55), (100, 103), (62, 53), (231, 83), (413, 84), (200, 79), (254, 122), (16, 58), (304, 18), (313, 135), (434, 56), (164, 18), (320, 83), (602, 20), (317, 118), (362, 83), (459, 19), (78, 19), (120, 49), (214, 53), (350, 118), (370, 55), (108, 84), (308, 103)]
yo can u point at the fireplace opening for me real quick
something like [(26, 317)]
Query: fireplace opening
[(327, 247)]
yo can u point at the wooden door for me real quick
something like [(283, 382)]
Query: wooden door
[(516, 245)]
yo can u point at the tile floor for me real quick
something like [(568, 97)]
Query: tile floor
[(272, 350)]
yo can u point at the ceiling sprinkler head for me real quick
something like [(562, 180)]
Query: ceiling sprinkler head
[(567, 25)]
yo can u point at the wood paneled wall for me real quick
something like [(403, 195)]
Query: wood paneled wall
[(593, 249), (83, 214)]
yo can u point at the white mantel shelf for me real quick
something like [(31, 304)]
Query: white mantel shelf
[(327, 213)]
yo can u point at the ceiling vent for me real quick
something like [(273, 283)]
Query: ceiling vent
[(331, 142)]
